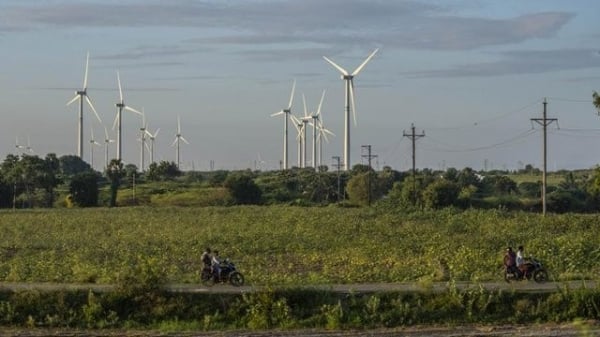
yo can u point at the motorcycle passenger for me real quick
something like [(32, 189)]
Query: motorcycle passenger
[(520, 261), (216, 266)]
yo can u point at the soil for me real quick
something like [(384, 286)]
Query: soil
[(588, 328)]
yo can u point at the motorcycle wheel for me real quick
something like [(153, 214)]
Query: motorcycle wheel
[(236, 279), (540, 276)]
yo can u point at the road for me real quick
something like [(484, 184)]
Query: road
[(521, 286)]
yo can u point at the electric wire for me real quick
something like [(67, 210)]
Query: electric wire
[(518, 137)]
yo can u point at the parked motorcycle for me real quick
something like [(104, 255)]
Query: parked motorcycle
[(533, 269), (229, 274)]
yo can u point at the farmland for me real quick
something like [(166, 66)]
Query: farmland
[(279, 245)]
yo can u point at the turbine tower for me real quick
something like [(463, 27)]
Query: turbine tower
[(349, 101), (286, 112), (142, 139), (81, 95), (322, 135), (92, 143), (120, 107), (178, 137), (304, 121), (107, 141)]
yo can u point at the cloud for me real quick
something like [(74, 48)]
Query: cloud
[(520, 62), (401, 24)]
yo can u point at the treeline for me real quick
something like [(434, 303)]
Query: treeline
[(30, 181)]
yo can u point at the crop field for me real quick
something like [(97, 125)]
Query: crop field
[(279, 245)]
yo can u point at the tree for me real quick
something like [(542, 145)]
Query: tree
[(114, 173), (441, 193), (71, 165), (364, 188), (84, 189), (596, 101), (242, 188), (50, 177), (163, 171)]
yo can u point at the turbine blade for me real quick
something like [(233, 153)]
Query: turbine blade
[(320, 103), (116, 121), (304, 102), (174, 141), (178, 125), (147, 147), (92, 134), (342, 70), (74, 99), (184, 140), (105, 133), (292, 95), (89, 101), (365, 62), (120, 90), (148, 133), (85, 77), (132, 110), (277, 113), (352, 99), (156, 133)]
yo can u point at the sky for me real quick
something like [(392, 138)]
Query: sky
[(470, 74)]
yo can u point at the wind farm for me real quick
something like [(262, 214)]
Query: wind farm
[(226, 92)]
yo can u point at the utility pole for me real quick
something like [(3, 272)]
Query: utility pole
[(544, 122), (337, 164), (413, 137), (369, 157)]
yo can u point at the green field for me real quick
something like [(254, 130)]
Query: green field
[(282, 245)]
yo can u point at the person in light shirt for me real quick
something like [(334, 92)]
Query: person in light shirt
[(520, 260)]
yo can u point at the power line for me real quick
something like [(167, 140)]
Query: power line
[(509, 141), (413, 137)]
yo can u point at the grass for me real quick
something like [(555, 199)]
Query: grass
[(286, 245)]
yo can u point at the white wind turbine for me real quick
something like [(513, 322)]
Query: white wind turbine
[(120, 106), (17, 145), (92, 143), (322, 135), (81, 95), (142, 139), (349, 101), (315, 124), (298, 125), (152, 137), (286, 112), (107, 141), (178, 138), (305, 120)]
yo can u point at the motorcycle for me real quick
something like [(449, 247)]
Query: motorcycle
[(533, 269), (229, 274)]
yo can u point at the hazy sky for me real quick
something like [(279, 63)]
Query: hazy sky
[(470, 73)]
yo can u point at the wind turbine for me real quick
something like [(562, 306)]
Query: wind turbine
[(28, 147), (299, 125), (92, 143), (81, 95), (286, 112), (322, 135), (315, 124), (107, 141), (120, 106), (21, 147), (305, 120), (152, 137), (349, 100), (142, 139), (178, 137)]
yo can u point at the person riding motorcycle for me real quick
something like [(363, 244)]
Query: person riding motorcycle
[(206, 258), (510, 262), (216, 265)]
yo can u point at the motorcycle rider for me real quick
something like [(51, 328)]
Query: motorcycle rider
[(206, 258), (510, 261)]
